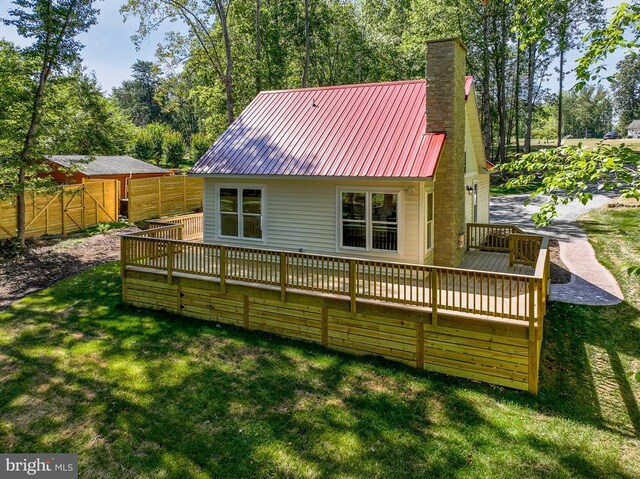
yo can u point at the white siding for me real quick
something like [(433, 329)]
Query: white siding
[(303, 214)]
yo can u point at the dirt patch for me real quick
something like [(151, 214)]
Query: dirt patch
[(558, 271), (54, 258)]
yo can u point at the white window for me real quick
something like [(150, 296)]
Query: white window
[(369, 220), (429, 222), (240, 212)]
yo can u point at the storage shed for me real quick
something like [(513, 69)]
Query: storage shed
[(122, 168)]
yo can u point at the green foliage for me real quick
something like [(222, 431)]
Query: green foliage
[(174, 148), (157, 132), (632, 269), (144, 148), (588, 112), (626, 90), (198, 146), (621, 32), (137, 97), (571, 173)]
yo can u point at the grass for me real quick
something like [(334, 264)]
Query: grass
[(143, 394), (503, 190)]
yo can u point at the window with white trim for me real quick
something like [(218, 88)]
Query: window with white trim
[(240, 212), (429, 222), (369, 220)]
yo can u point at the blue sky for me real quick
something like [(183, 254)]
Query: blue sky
[(109, 51)]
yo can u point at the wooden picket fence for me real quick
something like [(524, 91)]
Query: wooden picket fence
[(163, 196), (68, 209)]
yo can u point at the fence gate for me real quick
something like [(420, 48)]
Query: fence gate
[(68, 209)]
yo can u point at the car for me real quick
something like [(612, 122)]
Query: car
[(612, 135)]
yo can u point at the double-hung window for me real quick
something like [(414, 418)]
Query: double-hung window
[(240, 212), (369, 220)]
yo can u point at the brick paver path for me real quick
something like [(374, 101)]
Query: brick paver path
[(591, 283)]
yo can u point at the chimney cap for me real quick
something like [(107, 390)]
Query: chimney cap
[(449, 40)]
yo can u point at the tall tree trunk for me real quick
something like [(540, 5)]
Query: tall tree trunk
[(530, 86), (258, 47), (25, 154), (228, 76), (486, 89), (305, 70), (560, 86), (500, 60), (516, 100)]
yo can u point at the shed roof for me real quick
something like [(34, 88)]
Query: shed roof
[(105, 165), (634, 125), (366, 130)]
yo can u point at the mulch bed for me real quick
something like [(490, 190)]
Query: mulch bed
[(51, 259), (558, 270)]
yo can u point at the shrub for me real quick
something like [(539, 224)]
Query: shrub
[(199, 145), (174, 148), (143, 148)]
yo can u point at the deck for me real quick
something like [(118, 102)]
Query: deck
[(482, 320)]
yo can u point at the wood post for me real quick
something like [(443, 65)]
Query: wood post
[(223, 269), (420, 345), (64, 212), (433, 286), (283, 276), (353, 286), (245, 316), (325, 326), (170, 254), (532, 346), (124, 245)]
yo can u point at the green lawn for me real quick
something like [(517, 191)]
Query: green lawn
[(143, 394)]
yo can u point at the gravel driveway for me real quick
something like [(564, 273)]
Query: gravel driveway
[(591, 283)]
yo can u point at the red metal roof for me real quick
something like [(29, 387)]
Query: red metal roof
[(367, 130)]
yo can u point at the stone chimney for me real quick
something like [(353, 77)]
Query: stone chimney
[(445, 108)]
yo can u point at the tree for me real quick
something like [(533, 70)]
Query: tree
[(144, 148), (571, 19), (54, 26), (174, 148), (137, 97), (207, 23), (570, 173), (589, 112), (198, 147), (626, 90)]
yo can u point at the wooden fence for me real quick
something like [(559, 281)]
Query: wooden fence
[(68, 209), (163, 196), (474, 324)]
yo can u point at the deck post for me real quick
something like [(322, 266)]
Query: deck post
[(532, 346), (223, 269), (124, 244), (283, 276), (170, 254), (353, 287), (433, 285)]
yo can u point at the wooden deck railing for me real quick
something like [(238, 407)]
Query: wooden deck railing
[(490, 237), (487, 294), (191, 224)]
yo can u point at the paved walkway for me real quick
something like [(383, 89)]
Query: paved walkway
[(591, 283)]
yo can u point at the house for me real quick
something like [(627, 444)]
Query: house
[(633, 130), (391, 171), (355, 217), (122, 168)]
